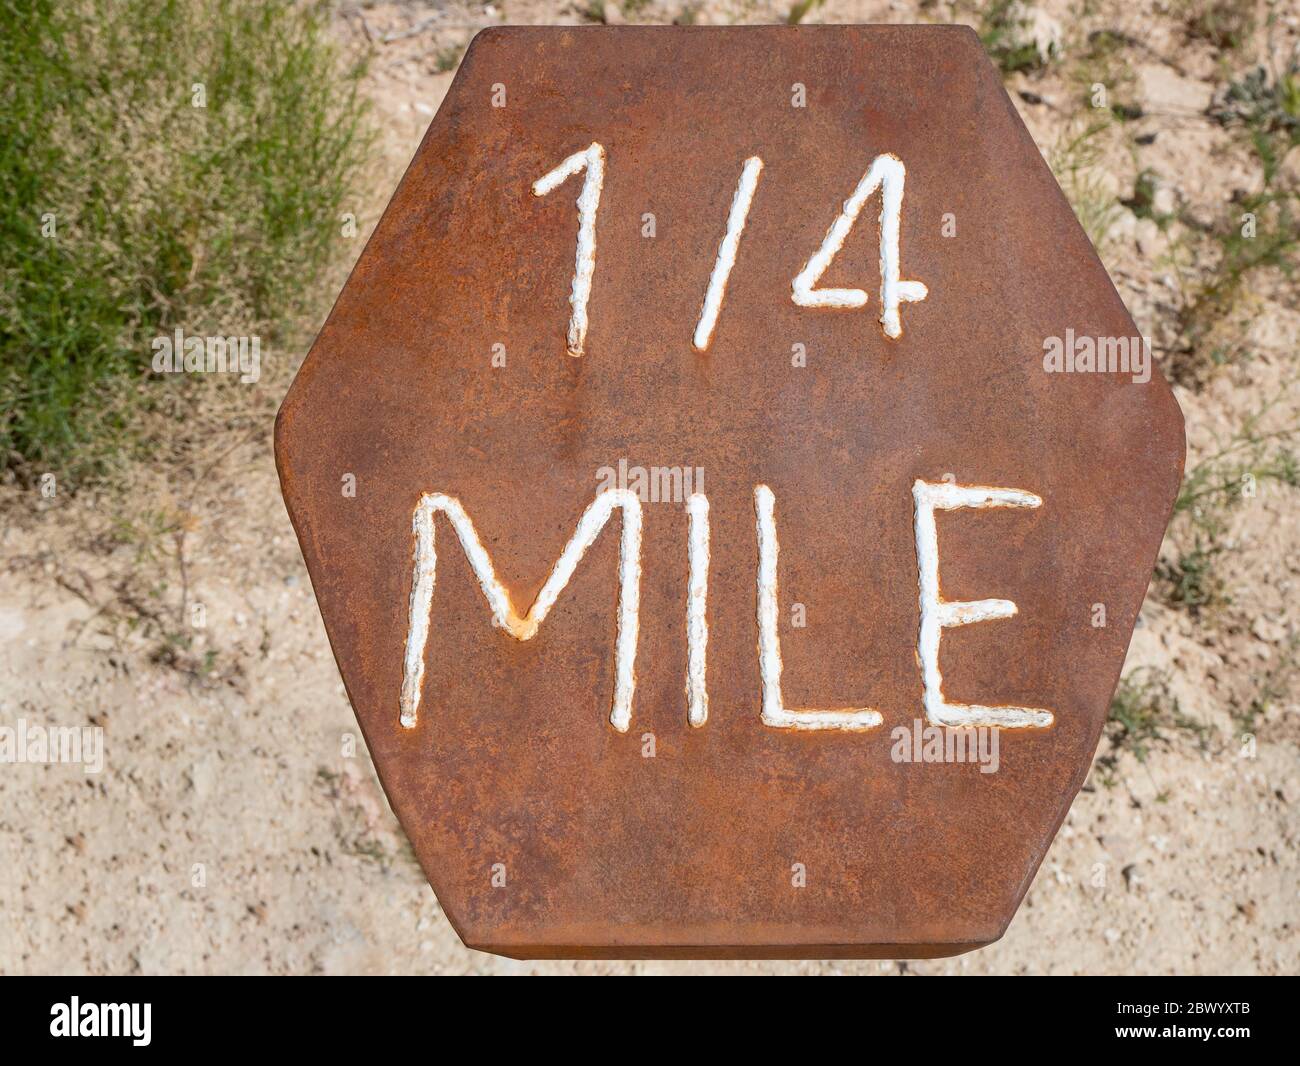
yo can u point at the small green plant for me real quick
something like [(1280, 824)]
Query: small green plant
[(1225, 24), (1143, 201), (1075, 159), (1192, 582), (163, 164), (1103, 75), (1263, 233), (1004, 30), (1276, 687), (1236, 471), (1268, 105), (1143, 713), (1202, 511), (447, 58), (801, 9), (1260, 234)]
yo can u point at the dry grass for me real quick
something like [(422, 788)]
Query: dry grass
[(126, 211)]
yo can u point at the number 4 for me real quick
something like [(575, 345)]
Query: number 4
[(888, 174)]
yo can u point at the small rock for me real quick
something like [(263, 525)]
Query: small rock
[(1147, 237), (1268, 630), (1125, 226), (203, 776), (12, 622), (1163, 89), (1289, 171)]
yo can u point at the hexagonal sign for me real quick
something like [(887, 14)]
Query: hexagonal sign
[(729, 480)]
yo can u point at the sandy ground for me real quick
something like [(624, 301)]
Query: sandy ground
[(238, 825)]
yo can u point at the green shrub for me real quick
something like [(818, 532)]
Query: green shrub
[(126, 211), (1211, 489), (1143, 714), (1005, 33)]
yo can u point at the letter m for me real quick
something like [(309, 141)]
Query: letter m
[(504, 615)]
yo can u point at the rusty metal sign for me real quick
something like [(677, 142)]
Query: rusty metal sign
[(729, 480)]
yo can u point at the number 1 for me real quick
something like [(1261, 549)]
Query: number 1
[(592, 160)]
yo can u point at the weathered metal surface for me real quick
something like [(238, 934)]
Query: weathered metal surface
[(543, 828)]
